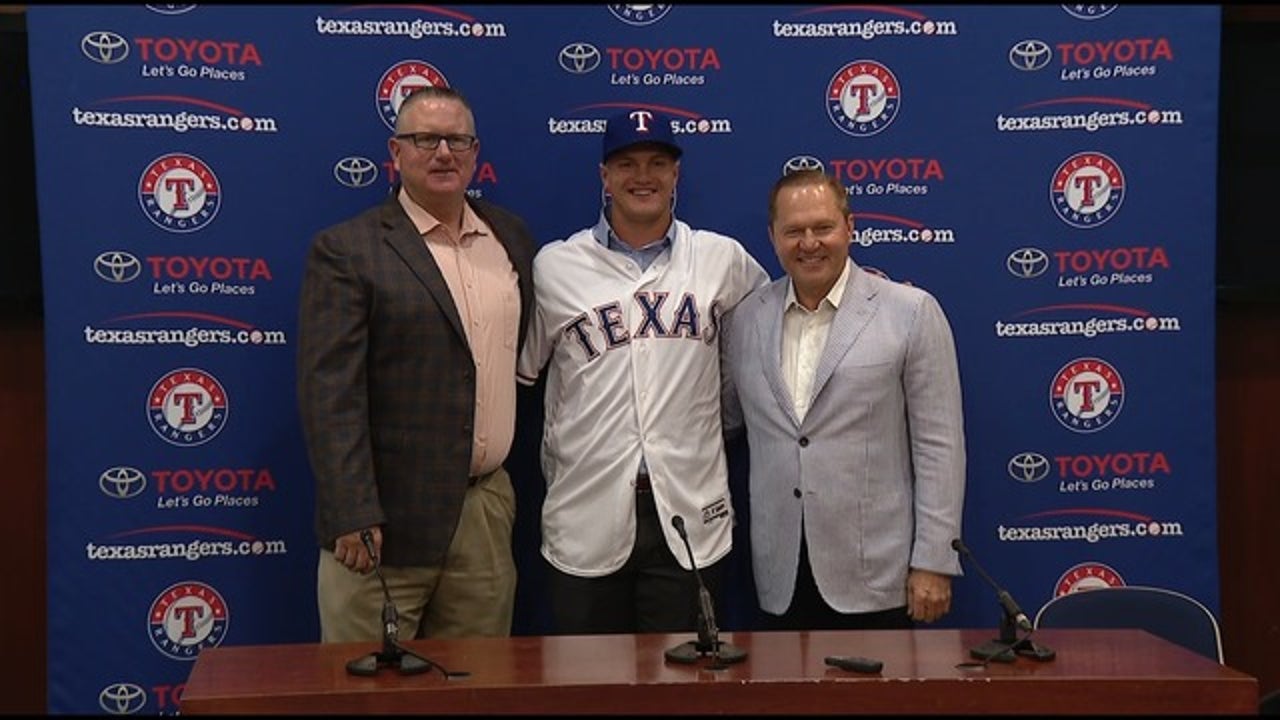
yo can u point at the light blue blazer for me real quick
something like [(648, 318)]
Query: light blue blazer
[(875, 473)]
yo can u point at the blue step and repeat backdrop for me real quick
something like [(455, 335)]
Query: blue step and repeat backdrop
[(1047, 171)]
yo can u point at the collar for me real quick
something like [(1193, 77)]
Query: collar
[(603, 233), (424, 222), (834, 296)]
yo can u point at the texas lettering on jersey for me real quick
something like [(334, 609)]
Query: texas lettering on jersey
[(605, 326)]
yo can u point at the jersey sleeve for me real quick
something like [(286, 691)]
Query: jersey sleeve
[(747, 274), (538, 343)]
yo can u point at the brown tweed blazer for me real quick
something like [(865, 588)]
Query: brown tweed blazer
[(386, 381)]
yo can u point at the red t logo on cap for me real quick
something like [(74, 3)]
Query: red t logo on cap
[(642, 117)]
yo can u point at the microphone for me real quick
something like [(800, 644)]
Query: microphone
[(392, 653), (1011, 609), (708, 641), (708, 633), (1013, 619), (390, 613)]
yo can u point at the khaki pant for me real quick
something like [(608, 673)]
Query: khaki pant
[(472, 594)]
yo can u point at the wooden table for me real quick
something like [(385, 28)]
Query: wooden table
[(1095, 671)]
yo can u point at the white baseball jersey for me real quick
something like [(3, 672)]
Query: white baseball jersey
[(634, 371)]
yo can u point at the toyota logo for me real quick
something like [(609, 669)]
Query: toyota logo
[(1027, 263), (1028, 467), (802, 162), (122, 482), (1030, 55), (122, 698), (579, 58), (117, 266), (103, 46), (355, 171)]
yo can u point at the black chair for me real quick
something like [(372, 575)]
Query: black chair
[(1169, 614)]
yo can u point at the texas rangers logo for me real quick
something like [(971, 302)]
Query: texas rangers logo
[(1087, 576), (1087, 189), (187, 407), (171, 8), (1088, 12), (647, 14), (179, 193), (1086, 395), (863, 98), (186, 618), (402, 79)]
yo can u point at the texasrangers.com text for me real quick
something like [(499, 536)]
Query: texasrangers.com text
[(1091, 533), (1091, 122), (867, 30), (192, 550), (178, 122), (415, 29)]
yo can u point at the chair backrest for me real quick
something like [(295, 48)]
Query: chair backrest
[(1169, 614), (1269, 703)]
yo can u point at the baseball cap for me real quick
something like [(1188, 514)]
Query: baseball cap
[(634, 127)]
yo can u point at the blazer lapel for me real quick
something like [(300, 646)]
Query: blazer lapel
[(855, 311), (770, 333), (408, 244)]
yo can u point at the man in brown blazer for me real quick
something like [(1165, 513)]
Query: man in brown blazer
[(411, 317)]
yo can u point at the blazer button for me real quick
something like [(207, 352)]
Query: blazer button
[(804, 442), (796, 492)]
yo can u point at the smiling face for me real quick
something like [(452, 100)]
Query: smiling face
[(811, 233), (641, 180), (434, 175)]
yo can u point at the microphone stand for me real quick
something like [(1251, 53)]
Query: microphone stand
[(1004, 647), (708, 643), (392, 654)]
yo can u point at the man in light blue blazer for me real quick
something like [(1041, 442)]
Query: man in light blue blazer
[(848, 387)]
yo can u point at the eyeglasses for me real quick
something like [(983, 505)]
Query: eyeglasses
[(431, 141)]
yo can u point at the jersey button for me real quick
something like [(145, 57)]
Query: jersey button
[(804, 442), (796, 492)]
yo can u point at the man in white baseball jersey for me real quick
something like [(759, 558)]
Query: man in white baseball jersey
[(627, 314)]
